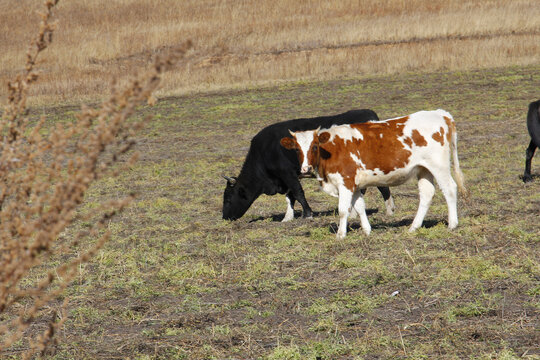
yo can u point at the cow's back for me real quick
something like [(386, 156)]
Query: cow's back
[(281, 129), (266, 149)]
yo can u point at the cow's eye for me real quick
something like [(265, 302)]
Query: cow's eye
[(314, 147)]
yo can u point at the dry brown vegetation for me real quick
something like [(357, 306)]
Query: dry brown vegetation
[(44, 175), (245, 43)]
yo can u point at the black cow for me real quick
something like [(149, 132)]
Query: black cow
[(533, 125), (269, 168)]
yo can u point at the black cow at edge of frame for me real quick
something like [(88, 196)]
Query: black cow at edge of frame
[(533, 125), (269, 168)]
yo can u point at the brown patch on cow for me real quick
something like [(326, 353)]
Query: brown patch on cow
[(418, 139), (451, 128), (408, 141), (439, 136), (385, 153), (313, 154), (291, 144)]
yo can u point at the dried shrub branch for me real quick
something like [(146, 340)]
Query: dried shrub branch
[(45, 172)]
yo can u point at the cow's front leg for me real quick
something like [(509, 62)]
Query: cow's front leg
[(353, 214), (293, 183), (528, 157), (289, 215), (359, 205), (345, 200)]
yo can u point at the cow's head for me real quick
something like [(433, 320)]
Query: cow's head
[(307, 146), (237, 199)]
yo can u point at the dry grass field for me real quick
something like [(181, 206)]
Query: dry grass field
[(249, 43), (175, 281)]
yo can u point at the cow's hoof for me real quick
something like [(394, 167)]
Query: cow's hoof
[(390, 207), (527, 178), (452, 226)]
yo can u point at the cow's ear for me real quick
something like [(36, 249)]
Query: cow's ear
[(324, 137), (288, 143)]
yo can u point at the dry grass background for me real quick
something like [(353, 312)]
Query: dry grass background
[(249, 43)]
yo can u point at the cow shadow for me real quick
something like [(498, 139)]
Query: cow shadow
[(333, 227), (298, 215), (353, 224)]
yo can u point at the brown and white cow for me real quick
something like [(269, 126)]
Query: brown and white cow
[(348, 158)]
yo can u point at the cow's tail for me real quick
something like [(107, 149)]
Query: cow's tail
[(460, 180), (533, 121)]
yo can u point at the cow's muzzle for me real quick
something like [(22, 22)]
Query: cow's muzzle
[(306, 169)]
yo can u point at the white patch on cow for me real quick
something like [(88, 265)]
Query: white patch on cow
[(344, 132), (330, 189), (304, 140), (289, 215), (332, 185), (358, 161), (362, 176)]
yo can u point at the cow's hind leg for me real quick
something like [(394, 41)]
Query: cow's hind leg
[(359, 206), (528, 157), (449, 189), (353, 214), (426, 189), (289, 215), (388, 200)]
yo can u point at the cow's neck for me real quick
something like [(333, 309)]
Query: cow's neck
[(250, 181)]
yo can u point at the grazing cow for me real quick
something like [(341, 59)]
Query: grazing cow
[(533, 125), (270, 169), (347, 158)]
